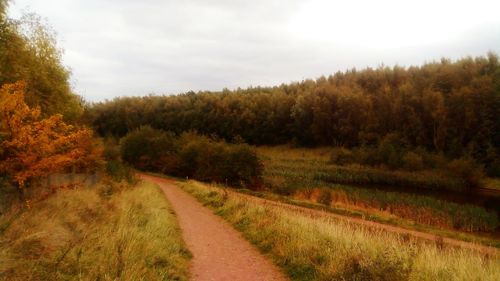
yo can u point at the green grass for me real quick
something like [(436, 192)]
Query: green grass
[(295, 171), (319, 248), (314, 165), (108, 232)]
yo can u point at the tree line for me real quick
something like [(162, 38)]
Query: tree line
[(447, 107)]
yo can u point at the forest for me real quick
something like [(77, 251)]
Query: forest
[(446, 107)]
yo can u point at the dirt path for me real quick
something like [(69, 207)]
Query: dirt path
[(220, 253)]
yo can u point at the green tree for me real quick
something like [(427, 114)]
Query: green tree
[(148, 149), (29, 52)]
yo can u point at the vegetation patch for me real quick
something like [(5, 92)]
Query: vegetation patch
[(108, 232), (298, 172), (193, 156)]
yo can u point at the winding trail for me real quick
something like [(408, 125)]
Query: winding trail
[(220, 253)]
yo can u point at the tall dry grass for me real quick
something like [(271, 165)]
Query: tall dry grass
[(319, 248), (107, 232)]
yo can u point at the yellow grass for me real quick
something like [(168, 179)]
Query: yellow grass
[(319, 248), (492, 183), (100, 233)]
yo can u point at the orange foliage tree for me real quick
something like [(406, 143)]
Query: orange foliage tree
[(32, 147)]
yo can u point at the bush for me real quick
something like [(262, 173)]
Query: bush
[(341, 156), (118, 171), (114, 167), (243, 165), (390, 151), (212, 160), (493, 162), (192, 155), (412, 161), (145, 148), (366, 156), (468, 170), (325, 197)]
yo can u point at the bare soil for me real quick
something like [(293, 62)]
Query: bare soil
[(220, 253)]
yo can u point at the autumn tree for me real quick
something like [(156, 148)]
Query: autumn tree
[(32, 147)]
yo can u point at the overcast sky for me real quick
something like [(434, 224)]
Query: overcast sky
[(136, 47)]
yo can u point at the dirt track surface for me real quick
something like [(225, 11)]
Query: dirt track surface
[(220, 253)]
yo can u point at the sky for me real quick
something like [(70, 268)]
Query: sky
[(139, 47)]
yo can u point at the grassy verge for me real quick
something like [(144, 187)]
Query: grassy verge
[(107, 232), (485, 239), (310, 248)]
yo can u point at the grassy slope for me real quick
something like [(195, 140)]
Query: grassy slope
[(485, 239), (101, 233), (321, 249)]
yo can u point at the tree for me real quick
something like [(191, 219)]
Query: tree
[(32, 147), (3, 8), (29, 52), (149, 149)]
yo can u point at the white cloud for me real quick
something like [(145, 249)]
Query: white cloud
[(128, 47)]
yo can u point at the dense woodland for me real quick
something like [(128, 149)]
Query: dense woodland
[(449, 107)]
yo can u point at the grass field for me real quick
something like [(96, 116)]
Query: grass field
[(107, 232), (318, 248), (307, 174)]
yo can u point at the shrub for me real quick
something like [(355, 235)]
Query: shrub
[(212, 160), (366, 156), (468, 170), (494, 169), (145, 147), (341, 156), (412, 161), (432, 160), (192, 155), (118, 171), (493, 162), (325, 197), (390, 151), (192, 146), (243, 165)]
